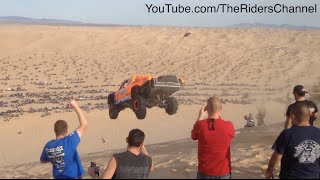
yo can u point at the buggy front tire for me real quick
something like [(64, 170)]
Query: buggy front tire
[(139, 107), (113, 112)]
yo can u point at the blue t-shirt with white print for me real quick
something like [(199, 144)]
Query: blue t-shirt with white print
[(300, 147), (63, 155)]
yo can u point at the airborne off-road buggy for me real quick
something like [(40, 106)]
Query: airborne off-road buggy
[(141, 92)]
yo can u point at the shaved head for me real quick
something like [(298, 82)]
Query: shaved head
[(214, 105), (300, 112)]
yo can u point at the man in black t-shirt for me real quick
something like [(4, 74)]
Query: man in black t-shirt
[(299, 93), (298, 148), (134, 163)]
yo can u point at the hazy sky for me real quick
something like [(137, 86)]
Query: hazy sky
[(134, 12)]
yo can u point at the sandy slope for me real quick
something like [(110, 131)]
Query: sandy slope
[(246, 68)]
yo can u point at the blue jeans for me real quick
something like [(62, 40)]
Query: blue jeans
[(202, 176)]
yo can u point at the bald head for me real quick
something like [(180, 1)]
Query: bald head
[(214, 105), (300, 112)]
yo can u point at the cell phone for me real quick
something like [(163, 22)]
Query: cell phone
[(96, 168), (93, 164)]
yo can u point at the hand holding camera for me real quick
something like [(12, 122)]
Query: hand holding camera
[(94, 170), (202, 113)]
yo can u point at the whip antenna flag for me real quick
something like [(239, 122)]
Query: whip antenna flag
[(171, 50)]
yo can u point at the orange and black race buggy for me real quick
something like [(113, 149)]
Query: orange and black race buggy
[(142, 92)]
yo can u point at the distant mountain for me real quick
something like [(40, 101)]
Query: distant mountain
[(44, 21), (261, 25), (26, 20)]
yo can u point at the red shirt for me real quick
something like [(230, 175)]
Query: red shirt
[(213, 146)]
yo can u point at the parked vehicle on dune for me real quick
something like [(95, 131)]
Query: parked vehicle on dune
[(141, 92)]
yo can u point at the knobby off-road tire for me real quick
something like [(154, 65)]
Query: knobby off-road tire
[(139, 107), (113, 112), (172, 106), (111, 99)]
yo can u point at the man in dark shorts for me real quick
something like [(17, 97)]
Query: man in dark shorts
[(62, 151), (298, 148), (214, 137), (135, 163), (299, 93)]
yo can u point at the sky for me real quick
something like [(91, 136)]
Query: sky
[(135, 12)]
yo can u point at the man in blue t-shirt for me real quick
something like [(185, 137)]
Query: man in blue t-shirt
[(298, 148), (62, 151)]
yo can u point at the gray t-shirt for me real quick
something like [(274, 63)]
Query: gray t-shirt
[(131, 166)]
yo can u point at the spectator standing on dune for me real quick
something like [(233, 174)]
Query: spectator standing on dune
[(135, 163), (62, 151), (298, 148), (250, 120), (299, 93), (214, 137)]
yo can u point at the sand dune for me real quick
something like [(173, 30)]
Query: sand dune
[(42, 67)]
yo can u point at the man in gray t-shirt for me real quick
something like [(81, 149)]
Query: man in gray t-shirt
[(135, 163)]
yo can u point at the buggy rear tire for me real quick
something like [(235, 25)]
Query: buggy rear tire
[(113, 112), (172, 106), (139, 107)]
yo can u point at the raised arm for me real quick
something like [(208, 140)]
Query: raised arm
[(315, 115), (82, 120), (144, 151), (195, 130)]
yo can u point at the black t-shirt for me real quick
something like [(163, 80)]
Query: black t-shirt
[(311, 105), (131, 166), (300, 148)]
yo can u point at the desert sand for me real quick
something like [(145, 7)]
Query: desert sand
[(42, 67)]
